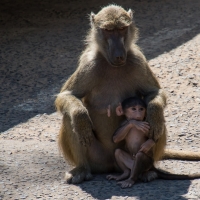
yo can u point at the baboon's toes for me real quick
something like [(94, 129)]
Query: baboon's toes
[(149, 176), (78, 178), (78, 175), (88, 176), (68, 177)]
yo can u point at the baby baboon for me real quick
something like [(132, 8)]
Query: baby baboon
[(110, 69), (137, 156)]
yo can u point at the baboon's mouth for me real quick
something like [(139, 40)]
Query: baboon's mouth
[(118, 64)]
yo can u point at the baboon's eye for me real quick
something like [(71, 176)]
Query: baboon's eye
[(108, 30), (122, 28)]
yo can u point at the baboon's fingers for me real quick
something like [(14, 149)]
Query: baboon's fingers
[(68, 177), (88, 176), (146, 126), (78, 178), (86, 139), (110, 177)]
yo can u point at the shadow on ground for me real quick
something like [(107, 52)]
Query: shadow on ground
[(43, 165), (32, 166), (100, 188), (41, 41)]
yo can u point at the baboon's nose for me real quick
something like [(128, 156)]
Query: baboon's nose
[(120, 58)]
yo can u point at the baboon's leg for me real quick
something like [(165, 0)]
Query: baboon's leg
[(142, 163), (73, 152), (87, 159)]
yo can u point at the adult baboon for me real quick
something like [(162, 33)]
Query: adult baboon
[(111, 68)]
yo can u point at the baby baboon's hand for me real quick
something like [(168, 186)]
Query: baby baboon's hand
[(82, 126), (141, 125), (145, 147)]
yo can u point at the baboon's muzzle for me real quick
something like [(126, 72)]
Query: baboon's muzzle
[(117, 52)]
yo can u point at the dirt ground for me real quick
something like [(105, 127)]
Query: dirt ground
[(40, 42)]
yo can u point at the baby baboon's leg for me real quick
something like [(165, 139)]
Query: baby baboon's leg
[(125, 162), (142, 163)]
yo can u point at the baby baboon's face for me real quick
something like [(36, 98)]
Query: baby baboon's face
[(135, 112)]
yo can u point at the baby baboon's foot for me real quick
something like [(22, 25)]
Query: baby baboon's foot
[(111, 177), (78, 175), (123, 176), (126, 184), (148, 176)]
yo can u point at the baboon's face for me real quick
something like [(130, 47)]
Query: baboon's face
[(113, 32), (114, 45)]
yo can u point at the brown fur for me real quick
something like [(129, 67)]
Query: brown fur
[(107, 73), (181, 155)]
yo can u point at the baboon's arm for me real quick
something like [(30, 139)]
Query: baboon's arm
[(69, 103), (156, 102)]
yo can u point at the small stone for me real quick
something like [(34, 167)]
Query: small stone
[(182, 134)]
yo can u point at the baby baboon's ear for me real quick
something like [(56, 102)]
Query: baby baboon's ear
[(92, 15), (130, 13), (119, 110)]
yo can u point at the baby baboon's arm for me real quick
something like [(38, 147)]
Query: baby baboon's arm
[(121, 132), (145, 147)]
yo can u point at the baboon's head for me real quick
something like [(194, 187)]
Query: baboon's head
[(113, 30)]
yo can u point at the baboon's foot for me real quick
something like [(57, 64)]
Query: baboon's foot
[(123, 176), (78, 175), (148, 176)]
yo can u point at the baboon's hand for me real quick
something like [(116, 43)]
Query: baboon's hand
[(155, 128), (156, 121), (82, 126)]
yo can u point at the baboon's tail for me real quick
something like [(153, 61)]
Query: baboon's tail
[(181, 155), (168, 176)]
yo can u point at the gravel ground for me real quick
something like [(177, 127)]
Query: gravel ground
[(39, 47)]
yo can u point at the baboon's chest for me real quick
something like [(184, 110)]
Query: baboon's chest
[(110, 92)]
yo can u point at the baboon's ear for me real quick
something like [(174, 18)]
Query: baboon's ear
[(119, 110), (130, 13), (92, 15)]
